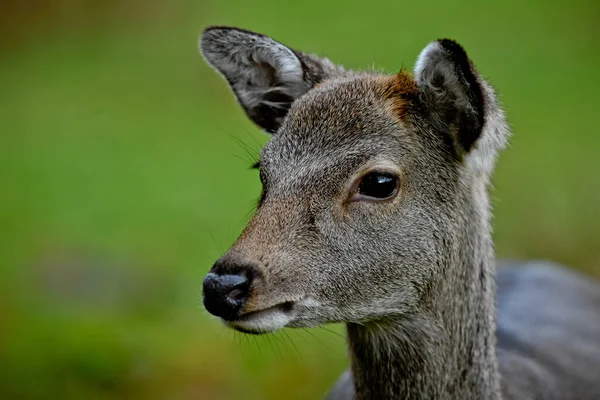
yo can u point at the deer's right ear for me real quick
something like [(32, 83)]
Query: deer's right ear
[(266, 76)]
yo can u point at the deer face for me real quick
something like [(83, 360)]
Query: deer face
[(367, 183)]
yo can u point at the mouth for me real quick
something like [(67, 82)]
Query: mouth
[(265, 320)]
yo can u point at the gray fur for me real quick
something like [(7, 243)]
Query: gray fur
[(412, 277)]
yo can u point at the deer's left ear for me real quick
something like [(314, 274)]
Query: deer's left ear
[(451, 91), (460, 103), (265, 75)]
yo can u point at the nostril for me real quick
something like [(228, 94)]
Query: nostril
[(237, 294), (238, 288)]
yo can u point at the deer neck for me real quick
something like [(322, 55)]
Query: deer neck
[(446, 350)]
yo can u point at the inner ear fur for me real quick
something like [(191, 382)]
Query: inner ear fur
[(265, 75), (451, 89)]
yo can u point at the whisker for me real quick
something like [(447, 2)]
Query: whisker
[(214, 240), (292, 343), (253, 137), (257, 344), (316, 337), (251, 153), (272, 347), (333, 332), (281, 343)]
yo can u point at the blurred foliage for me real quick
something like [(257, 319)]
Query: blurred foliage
[(123, 178)]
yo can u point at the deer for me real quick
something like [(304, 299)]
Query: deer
[(375, 213)]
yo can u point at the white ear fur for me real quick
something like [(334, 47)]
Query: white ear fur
[(261, 71), (495, 132), (240, 56), (494, 135), (425, 58)]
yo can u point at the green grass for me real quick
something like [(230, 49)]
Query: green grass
[(122, 183)]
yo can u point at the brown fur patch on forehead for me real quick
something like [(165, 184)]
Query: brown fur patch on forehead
[(400, 91)]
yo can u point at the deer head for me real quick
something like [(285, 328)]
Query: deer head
[(374, 185)]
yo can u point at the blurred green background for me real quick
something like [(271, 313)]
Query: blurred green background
[(124, 175)]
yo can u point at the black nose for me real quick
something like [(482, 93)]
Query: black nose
[(225, 295)]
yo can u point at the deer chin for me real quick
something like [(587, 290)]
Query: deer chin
[(264, 321)]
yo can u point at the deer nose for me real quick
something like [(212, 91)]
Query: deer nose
[(225, 295)]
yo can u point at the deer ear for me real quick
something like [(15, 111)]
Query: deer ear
[(460, 103), (266, 76), (450, 87)]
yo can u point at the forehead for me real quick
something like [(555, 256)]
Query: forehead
[(351, 117)]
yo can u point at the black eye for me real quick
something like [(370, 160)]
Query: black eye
[(378, 185)]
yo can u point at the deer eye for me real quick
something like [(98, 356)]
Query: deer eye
[(378, 185)]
